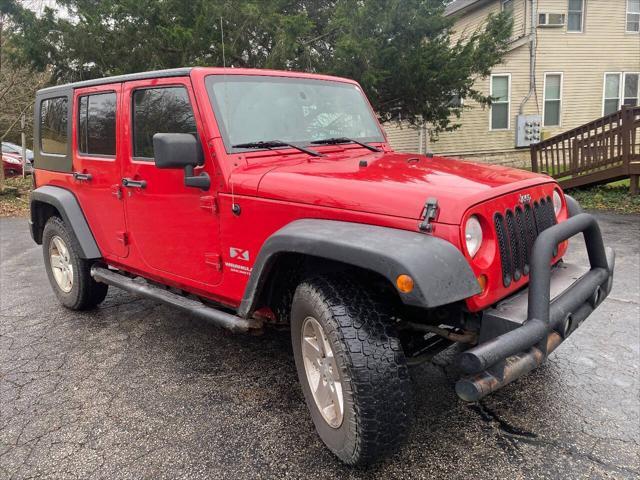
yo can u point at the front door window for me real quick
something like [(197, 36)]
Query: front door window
[(159, 110)]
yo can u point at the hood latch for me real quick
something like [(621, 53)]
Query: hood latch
[(429, 212)]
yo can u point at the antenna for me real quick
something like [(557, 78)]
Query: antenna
[(226, 105), (224, 61)]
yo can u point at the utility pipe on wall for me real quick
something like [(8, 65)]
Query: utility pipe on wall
[(533, 45)]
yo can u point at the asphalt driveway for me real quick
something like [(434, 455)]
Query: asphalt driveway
[(137, 390)]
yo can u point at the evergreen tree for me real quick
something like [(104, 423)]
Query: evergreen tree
[(399, 50)]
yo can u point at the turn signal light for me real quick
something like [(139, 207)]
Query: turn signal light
[(404, 283), (482, 282)]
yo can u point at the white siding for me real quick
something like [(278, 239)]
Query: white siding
[(582, 58)]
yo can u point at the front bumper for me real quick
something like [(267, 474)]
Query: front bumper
[(520, 332)]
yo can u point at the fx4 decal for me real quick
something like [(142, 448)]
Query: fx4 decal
[(239, 254)]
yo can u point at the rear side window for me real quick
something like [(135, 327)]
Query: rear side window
[(53, 126), (97, 124), (159, 110)]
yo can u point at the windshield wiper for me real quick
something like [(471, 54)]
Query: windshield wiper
[(337, 140), (277, 143)]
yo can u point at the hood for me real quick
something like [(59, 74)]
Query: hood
[(394, 184)]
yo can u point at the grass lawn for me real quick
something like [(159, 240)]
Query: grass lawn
[(613, 197), (14, 200)]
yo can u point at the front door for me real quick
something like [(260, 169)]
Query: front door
[(97, 160), (173, 228)]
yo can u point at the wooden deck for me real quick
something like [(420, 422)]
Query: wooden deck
[(601, 151)]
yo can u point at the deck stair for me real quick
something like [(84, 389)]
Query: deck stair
[(601, 151)]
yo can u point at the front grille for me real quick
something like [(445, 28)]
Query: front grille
[(516, 231)]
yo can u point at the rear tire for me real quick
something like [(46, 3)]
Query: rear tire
[(69, 274), (372, 374)]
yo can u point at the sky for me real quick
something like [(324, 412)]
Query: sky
[(38, 6)]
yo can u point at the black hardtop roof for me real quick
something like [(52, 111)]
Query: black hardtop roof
[(171, 72)]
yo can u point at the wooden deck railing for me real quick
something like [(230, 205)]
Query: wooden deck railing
[(600, 151)]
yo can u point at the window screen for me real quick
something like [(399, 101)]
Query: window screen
[(552, 99), (575, 14), (633, 16), (97, 124), (500, 103), (631, 89), (159, 110), (53, 126), (611, 93)]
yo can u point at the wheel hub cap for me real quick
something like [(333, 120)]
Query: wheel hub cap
[(322, 372), (61, 264)]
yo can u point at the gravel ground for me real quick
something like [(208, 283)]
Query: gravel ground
[(137, 390)]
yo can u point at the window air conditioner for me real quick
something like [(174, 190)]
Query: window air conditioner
[(551, 19)]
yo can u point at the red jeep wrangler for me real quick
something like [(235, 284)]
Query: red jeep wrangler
[(250, 197)]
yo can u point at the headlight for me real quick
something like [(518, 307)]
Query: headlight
[(8, 159), (473, 235), (557, 202)]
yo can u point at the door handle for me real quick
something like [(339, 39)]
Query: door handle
[(82, 177), (129, 183)]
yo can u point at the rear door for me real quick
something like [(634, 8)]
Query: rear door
[(174, 228), (97, 161)]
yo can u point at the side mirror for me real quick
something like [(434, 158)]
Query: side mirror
[(176, 150), (181, 150)]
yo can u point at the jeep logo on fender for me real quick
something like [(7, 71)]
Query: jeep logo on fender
[(239, 253), (524, 198)]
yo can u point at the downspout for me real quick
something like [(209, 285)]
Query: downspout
[(533, 45)]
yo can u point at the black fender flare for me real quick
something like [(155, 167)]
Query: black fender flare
[(573, 207), (440, 272), (66, 203)]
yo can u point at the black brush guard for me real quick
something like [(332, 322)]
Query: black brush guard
[(498, 361)]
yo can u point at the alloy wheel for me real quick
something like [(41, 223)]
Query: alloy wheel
[(61, 265), (322, 372)]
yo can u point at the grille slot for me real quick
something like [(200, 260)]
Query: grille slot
[(505, 253), (516, 232), (530, 227), (514, 243), (523, 241)]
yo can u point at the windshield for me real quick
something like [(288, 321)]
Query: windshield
[(253, 108)]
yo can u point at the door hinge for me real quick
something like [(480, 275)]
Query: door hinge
[(123, 238), (213, 260), (429, 212), (209, 203), (116, 191)]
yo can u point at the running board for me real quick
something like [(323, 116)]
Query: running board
[(209, 314)]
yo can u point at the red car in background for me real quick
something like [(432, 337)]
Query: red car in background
[(12, 165)]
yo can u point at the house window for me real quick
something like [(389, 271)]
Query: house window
[(620, 89), (631, 89), (633, 16), (507, 6), (552, 99), (456, 102), (575, 16), (500, 101), (611, 98)]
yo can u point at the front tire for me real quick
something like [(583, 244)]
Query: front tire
[(352, 369), (69, 274)]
